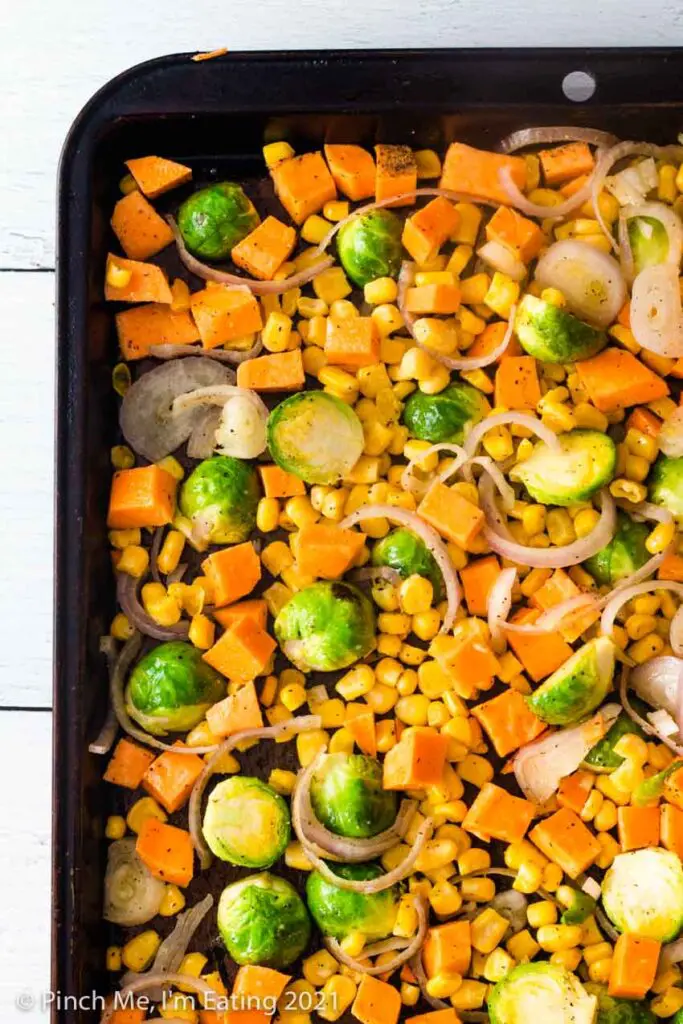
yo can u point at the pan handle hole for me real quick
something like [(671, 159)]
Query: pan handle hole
[(578, 86)]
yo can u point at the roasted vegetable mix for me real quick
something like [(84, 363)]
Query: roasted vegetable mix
[(396, 674)]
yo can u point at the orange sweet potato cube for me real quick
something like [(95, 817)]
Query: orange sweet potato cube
[(519, 234), (574, 790), (353, 170), (326, 550), (454, 517), (467, 658), (143, 496), (445, 1016), (281, 371), (265, 249), (671, 828), (433, 298), (223, 314), (360, 722), (671, 568), (565, 840), (508, 721), (141, 327), (396, 173), (516, 383), (417, 760), (477, 172), (303, 185), (560, 587), (352, 342), (447, 949), (143, 282), (477, 578), (154, 175), (638, 827), (376, 1002), (242, 652), (128, 764), (167, 851), (615, 379), (233, 572), (540, 654), (139, 228), (255, 609), (171, 777), (564, 162), (496, 814), (241, 710), (426, 231), (634, 967), (490, 338), (278, 483)]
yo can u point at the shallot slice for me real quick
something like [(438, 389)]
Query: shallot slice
[(499, 605), (408, 947), (550, 134)]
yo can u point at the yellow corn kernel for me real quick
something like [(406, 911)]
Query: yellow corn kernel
[(560, 527), (296, 858), (607, 787), (138, 954), (636, 468), (470, 995), (123, 458), (426, 624), (415, 595), (498, 964), (459, 259), (469, 222), (293, 696), (647, 647), (143, 809), (319, 967), (606, 818), (113, 958), (314, 229), (481, 890), (339, 381), (518, 853), (660, 538), (529, 878), (478, 380), (337, 994), (276, 597), (275, 152), (282, 781), (533, 521), (277, 332), (276, 557), (428, 164), (442, 986), (331, 285), (314, 359), (437, 335), (335, 210), (633, 748), (115, 827), (502, 294), (629, 490), (394, 623), (120, 628), (171, 550), (600, 970), (416, 365), (381, 290), (356, 683), (134, 560), (387, 318), (473, 860), (353, 943), (522, 946), (123, 538), (309, 744), (610, 849), (172, 901), (202, 632), (163, 609), (592, 805), (498, 444), (476, 770), (488, 929), (267, 514), (668, 1003), (412, 710), (555, 937), (542, 913), (638, 626)]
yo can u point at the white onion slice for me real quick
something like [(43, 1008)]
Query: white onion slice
[(590, 280), (558, 616), (591, 886), (513, 906), (524, 137), (146, 420), (623, 594), (431, 538), (241, 431), (496, 475), (670, 437), (500, 419), (132, 894), (202, 440), (663, 722), (498, 256), (499, 605), (408, 948), (658, 682), (220, 355), (541, 765), (656, 313), (107, 734), (174, 947), (648, 728)]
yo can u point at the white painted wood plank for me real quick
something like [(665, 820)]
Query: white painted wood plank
[(25, 823), (56, 54), (27, 359)]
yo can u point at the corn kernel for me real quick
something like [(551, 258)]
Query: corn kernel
[(143, 809), (668, 1003), (412, 710), (522, 946), (134, 561), (138, 954), (488, 929), (115, 827), (481, 890), (542, 913), (172, 901), (337, 993), (113, 958), (498, 964), (660, 538), (441, 986), (476, 770)]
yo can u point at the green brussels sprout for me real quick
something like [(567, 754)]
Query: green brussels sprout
[(338, 912), (263, 920), (603, 757), (246, 822), (405, 552), (448, 416), (649, 241), (624, 554), (348, 798), (326, 626), (577, 687), (642, 893), (585, 462), (214, 219), (553, 335), (542, 991), (315, 436), (580, 908), (620, 1011), (369, 246), (171, 688), (220, 497), (651, 789), (666, 484)]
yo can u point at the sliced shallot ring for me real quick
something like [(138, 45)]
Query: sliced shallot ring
[(256, 287), (408, 949), (495, 474), (218, 395), (604, 922), (499, 605), (127, 594), (407, 478), (415, 963), (107, 734), (520, 201), (305, 723), (524, 137), (430, 537), (648, 728), (520, 419), (153, 980), (656, 311), (621, 595), (223, 355), (554, 617)]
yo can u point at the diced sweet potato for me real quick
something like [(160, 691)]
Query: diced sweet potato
[(352, 169), (241, 710), (615, 379), (417, 760), (565, 840), (466, 658), (447, 949), (560, 587), (242, 652), (396, 173), (167, 851), (143, 496), (352, 342), (223, 314), (638, 827), (517, 233), (575, 789), (154, 175), (326, 550), (170, 778), (360, 722), (477, 172), (540, 654), (564, 162), (141, 282), (496, 814), (646, 421), (508, 721), (139, 228), (671, 828), (445, 1016), (516, 383), (454, 517), (490, 338), (255, 609), (477, 578), (282, 371), (433, 298), (265, 249), (303, 185), (142, 327), (233, 572), (376, 1002), (278, 483), (671, 568), (634, 967), (426, 231), (128, 764)]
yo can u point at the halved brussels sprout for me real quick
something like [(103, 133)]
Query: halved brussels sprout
[(553, 335), (214, 219), (544, 992), (666, 484), (171, 688), (621, 1011), (577, 687), (263, 920), (337, 912), (624, 554), (448, 416), (220, 498), (405, 552), (580, 908), (585, 462), (642, 893), (326, 626), (347, 796), (649, 241), (246, 822), (369, 246), (602, 757), (315, 436)]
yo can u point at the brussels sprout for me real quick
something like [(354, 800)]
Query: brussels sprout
[(624, 554), (580, 908), (577, 687), (602, 757), (263, 920), (347, 796), (649, 241), (220, 497), (405, 552), (171, 688), (215, 219), (326, 626), (369, 246), (337, 912), (585, 462), (666, 484), (620, 1011), (315, 436), (642, 893), (553, 335), (246, 822), (542, 991), (448, 416)]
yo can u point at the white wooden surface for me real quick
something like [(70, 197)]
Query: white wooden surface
[(53, 55)]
